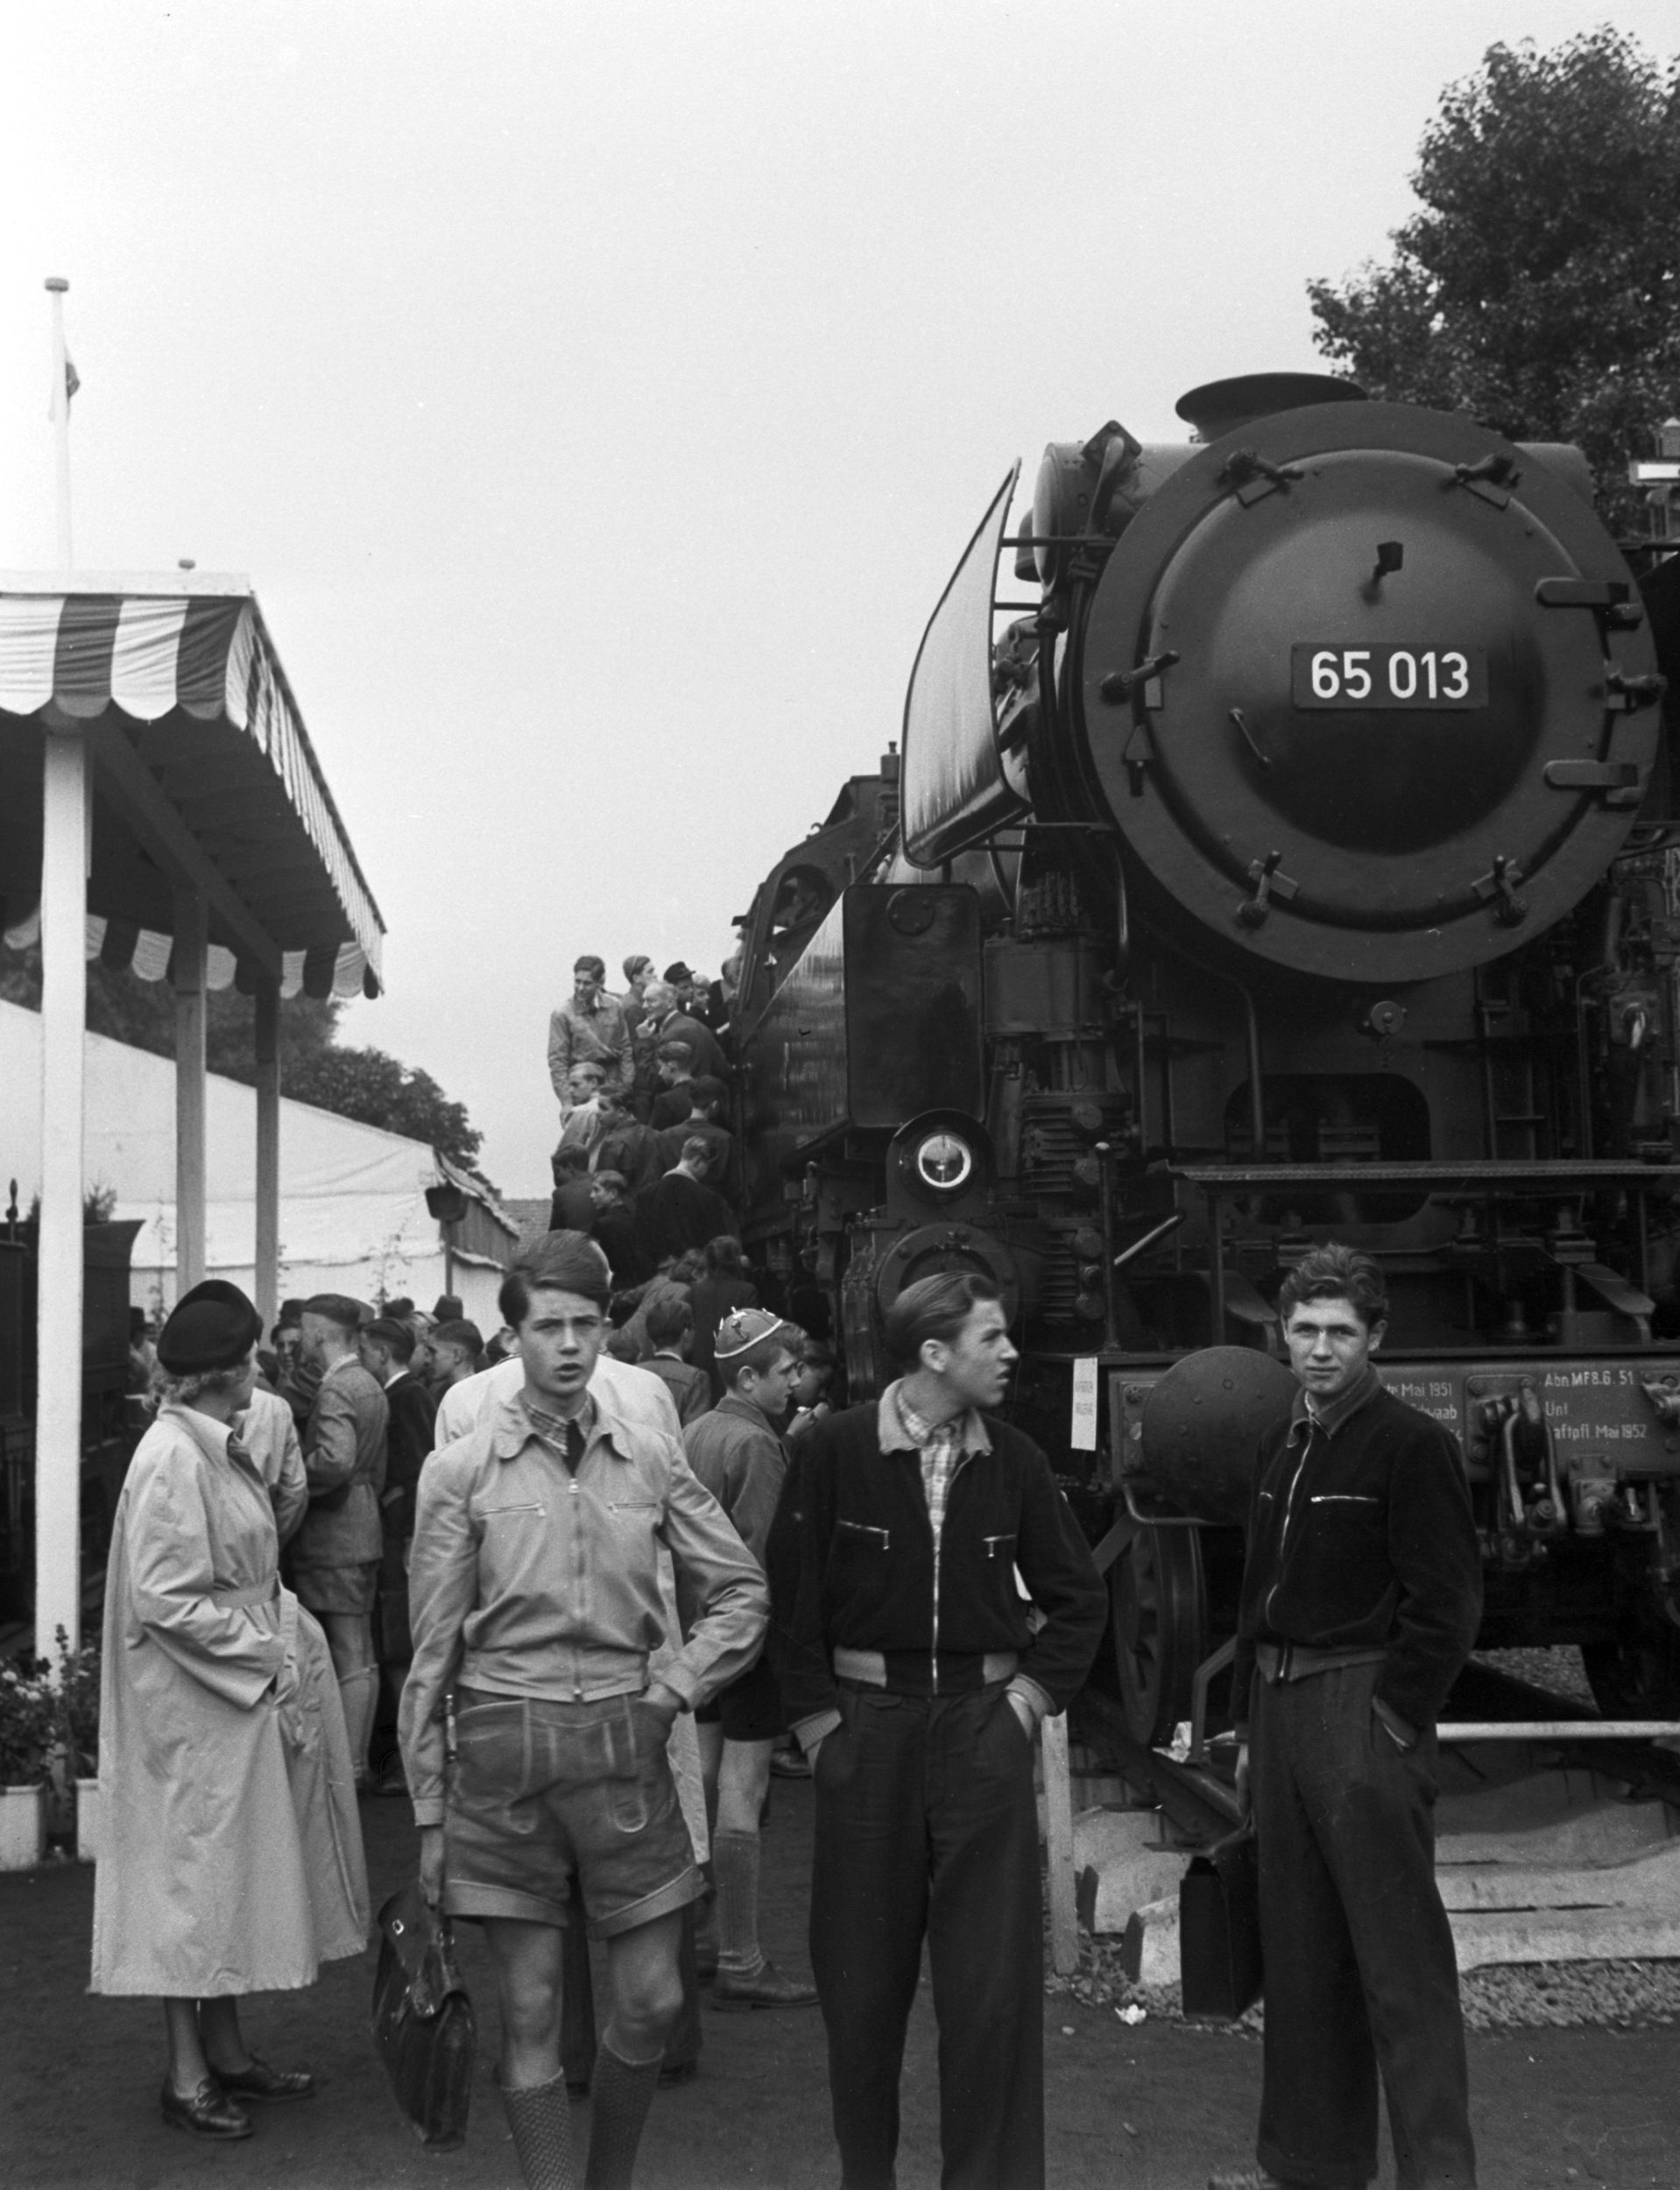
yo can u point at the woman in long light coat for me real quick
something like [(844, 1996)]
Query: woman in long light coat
[(231, 1858)]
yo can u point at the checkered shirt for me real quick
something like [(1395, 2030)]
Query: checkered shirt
[(940, 1453)]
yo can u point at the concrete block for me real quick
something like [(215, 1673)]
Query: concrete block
[(1481, 1937), (1120, 1865), (1548, 1820), (1149, 1951), (1111, 1895), (1651, 1883), (1101, 1835)]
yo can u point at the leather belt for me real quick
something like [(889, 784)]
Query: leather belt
[(868, 1668), (1294, 1661)]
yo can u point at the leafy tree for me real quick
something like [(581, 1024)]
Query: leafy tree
[(369, 1085), (1539, 286)]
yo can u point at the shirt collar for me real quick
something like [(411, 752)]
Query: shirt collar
[(213, 1437), (900, 1429), (518, 1420), (1340, 1410)]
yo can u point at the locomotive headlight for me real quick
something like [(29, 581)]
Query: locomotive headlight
[(945, 1161)]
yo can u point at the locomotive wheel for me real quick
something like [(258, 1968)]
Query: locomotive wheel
[(1158, 1604), (1637, 1674)]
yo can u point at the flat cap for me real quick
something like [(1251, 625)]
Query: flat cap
[(678, 973), (212, 1327)]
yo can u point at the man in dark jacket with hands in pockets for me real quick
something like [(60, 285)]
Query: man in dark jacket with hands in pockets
[(1361, 1596), (916, 1681)]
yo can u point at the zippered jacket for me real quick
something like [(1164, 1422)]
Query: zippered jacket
[(852, 1566), (1360, 1535)]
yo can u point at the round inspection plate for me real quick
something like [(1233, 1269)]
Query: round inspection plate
[(1200, 1424)]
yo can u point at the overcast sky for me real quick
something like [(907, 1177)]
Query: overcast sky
[(599, 396)]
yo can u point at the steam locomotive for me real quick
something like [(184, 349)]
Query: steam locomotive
[(1298, 861)]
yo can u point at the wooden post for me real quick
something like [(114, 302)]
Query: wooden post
[(1058, 1847), (268, 1151), (64, 1011), (191, 925)]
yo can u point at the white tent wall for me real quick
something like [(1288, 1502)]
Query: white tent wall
[(353, 1214)]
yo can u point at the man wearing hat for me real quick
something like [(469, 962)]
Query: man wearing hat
[(336, 1553), (588, 1028), (737, 1452), (696, 996)]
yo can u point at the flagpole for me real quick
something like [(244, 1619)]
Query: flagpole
[(56, 286)]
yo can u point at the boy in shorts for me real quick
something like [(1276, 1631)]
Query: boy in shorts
[(534, 1594)]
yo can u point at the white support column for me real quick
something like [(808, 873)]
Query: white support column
[(268, 1151), (64, 1001), (192, 926)]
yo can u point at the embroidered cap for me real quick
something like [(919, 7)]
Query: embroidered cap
[(745, 1328)]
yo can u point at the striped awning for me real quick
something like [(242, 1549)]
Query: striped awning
[(183, 679)]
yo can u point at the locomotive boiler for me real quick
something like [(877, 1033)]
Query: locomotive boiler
[(1298, 860)]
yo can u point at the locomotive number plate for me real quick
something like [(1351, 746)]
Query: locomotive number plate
[(1387, 676)]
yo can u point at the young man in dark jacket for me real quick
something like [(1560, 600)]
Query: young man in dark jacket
[(1361, 1596), (916, 1683)]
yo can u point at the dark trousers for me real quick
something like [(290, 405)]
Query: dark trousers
[(926, 1826), (1361, 1974)]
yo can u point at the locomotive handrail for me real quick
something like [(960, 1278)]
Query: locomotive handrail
[(1566, 1178)]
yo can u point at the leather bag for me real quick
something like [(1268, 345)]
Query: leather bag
[(422, 2020), (1218, 1929)]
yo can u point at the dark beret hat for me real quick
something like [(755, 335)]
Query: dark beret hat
[(678, 972), (212, 1327), (447, 1308)]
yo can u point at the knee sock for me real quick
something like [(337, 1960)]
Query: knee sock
[(735, 1866), (622, 2093), (542, 2122), (359, 1694)]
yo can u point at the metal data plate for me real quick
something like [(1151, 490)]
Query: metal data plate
[(1601, 1423)]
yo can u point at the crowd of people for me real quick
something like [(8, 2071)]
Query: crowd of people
[(644, 1160), (574, 1589)]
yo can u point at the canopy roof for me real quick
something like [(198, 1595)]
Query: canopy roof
[(202, 771)]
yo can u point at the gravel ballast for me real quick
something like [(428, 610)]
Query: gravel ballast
[(1623, 1996)]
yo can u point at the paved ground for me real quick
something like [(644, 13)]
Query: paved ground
[(1149, 2108)]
